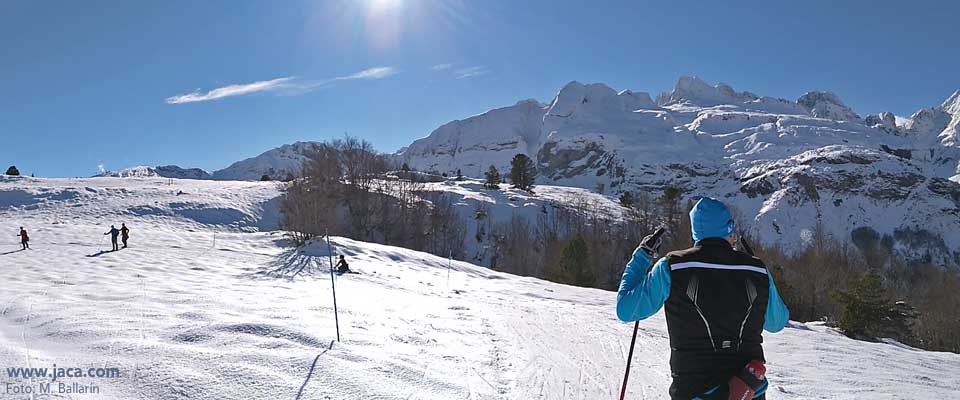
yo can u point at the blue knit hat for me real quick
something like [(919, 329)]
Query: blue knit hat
[(710, 218)]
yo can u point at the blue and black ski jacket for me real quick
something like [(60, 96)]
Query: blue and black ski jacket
[(717, 302)]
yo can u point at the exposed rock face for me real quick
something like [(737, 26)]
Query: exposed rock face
[(783, 164)]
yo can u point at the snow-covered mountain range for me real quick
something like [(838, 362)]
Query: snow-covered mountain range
[(783, 164), (276, 163), (165, 171)]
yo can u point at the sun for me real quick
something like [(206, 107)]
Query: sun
[(383, 5)]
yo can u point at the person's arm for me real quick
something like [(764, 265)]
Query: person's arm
[(777, 314), (642, 293)]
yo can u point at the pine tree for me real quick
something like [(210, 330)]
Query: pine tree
[(627, 200), (868, 313), (522, 172), (673, 214), (459, 175), (405, 167), (13, 171), (492, 178), (574, 265)]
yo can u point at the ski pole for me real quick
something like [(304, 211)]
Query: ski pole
[(745, 245), (333, 285), (636, 326), (626, 375)]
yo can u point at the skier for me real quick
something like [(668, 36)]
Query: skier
[(124, 234), (342, 266), (24, 239), (113, 232), (718, 300)]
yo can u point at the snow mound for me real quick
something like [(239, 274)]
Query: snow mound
[(244, 206)]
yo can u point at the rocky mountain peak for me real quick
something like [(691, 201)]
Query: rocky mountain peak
[(823, 104), (694, 90), (952, 104)]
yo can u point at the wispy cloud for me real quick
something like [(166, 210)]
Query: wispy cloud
[(441, 67), (288, 86), (371, 73), (470, 72), (302, 87), (230, 90)]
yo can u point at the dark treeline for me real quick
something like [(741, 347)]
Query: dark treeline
[(582, 243), (868, 291)]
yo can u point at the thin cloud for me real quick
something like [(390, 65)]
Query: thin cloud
[(471, 72), (441, 67), (230, 90), (371, 73), (289, 86), (367, 74)]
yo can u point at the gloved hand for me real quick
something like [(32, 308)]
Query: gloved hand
[(651, 243)]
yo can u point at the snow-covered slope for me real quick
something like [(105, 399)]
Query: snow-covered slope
[(470, 198), (202, 307), (243, 206), (477, 142), (784, 164), (276, 163)]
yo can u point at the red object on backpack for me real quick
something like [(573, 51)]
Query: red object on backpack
[(745, 384)]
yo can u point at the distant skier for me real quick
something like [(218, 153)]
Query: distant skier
[(717, 301), (342, 266), (124, 234), (113, 232), (24, 239)]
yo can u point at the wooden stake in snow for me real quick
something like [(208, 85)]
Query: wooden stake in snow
[(333, 284)]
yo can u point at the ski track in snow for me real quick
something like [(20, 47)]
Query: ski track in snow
[(251, 319)]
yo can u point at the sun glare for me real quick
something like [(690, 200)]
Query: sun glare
[(383, 5)]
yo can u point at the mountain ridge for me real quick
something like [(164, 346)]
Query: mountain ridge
[(785, 164)]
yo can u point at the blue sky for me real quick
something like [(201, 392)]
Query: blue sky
[(206, 83)]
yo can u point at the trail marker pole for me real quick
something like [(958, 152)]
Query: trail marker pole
[(333, 284), (449, 261)]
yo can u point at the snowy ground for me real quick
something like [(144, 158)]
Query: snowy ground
[(205, 306)]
